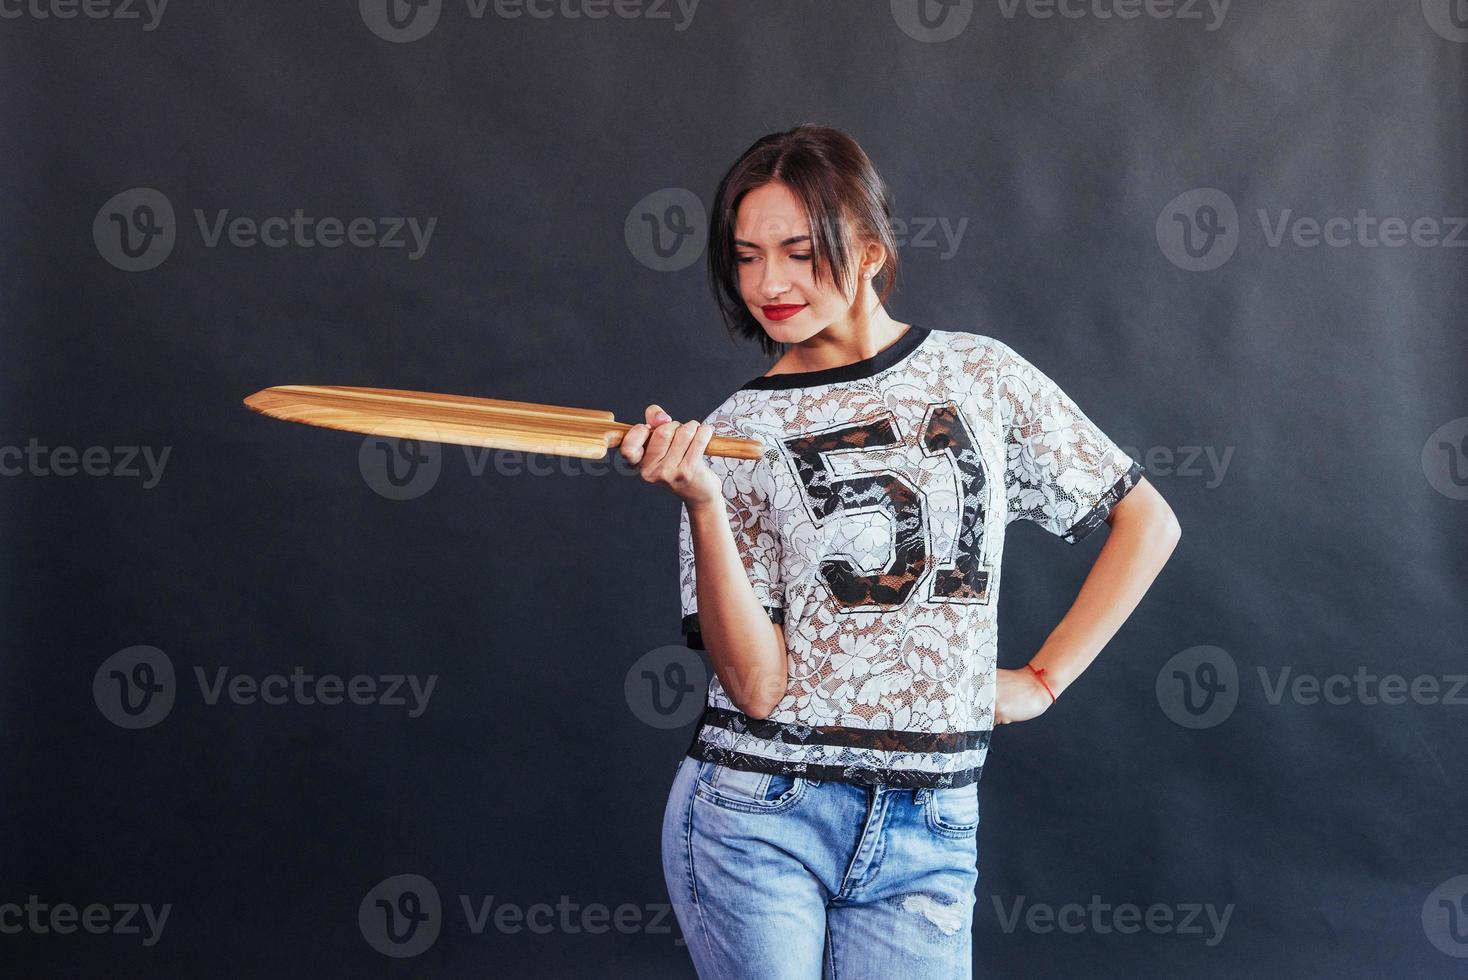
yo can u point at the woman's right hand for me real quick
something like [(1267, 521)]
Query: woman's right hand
[(670, 454)]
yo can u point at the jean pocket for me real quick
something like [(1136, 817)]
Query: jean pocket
[(953, 811), (748, 791)]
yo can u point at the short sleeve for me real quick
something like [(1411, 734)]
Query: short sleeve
[(755, 528), (1060, 471)]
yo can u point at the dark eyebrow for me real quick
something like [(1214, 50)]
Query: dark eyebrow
[(788, 241)]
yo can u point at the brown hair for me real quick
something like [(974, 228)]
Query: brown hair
[(835, 182)]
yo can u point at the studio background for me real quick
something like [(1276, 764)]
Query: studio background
[(1126, 200)]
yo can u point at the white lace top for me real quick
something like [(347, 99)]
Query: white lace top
[(873, 529)]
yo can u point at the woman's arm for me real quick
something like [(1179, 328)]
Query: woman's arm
[(747, 649), (1144, 532)]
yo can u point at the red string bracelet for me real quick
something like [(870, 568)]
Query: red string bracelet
[(1040, 674)]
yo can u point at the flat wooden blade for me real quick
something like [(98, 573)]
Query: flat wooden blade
[(456, 419), (467, 420)]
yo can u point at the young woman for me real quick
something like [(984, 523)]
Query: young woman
[(845, 587)]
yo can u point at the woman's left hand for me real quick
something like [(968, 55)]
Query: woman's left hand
[(1021, 696)]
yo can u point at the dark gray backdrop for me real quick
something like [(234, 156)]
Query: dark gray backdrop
[(1135, 203)]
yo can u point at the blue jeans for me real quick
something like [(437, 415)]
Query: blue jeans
[(786, 878)]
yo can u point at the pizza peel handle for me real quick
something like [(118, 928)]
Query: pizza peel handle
[(464, 420)]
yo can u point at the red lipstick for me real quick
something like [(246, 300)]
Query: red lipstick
[(782, 312)]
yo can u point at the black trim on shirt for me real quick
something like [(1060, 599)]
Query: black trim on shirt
[(888, 776), (880, 739), (880, 361), (855, 775), (694, 637), (1098, 513)]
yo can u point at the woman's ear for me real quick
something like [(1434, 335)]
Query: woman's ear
[(874, 257)]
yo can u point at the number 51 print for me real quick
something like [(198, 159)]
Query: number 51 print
[(942, 433)]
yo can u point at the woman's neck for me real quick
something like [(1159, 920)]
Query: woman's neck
[(841, 343)]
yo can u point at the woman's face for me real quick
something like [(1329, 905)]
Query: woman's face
[(776, 271)]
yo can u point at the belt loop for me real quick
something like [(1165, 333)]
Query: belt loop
[(922, 794)]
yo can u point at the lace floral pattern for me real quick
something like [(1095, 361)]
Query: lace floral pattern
[(1061, 472), (873, 528)]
